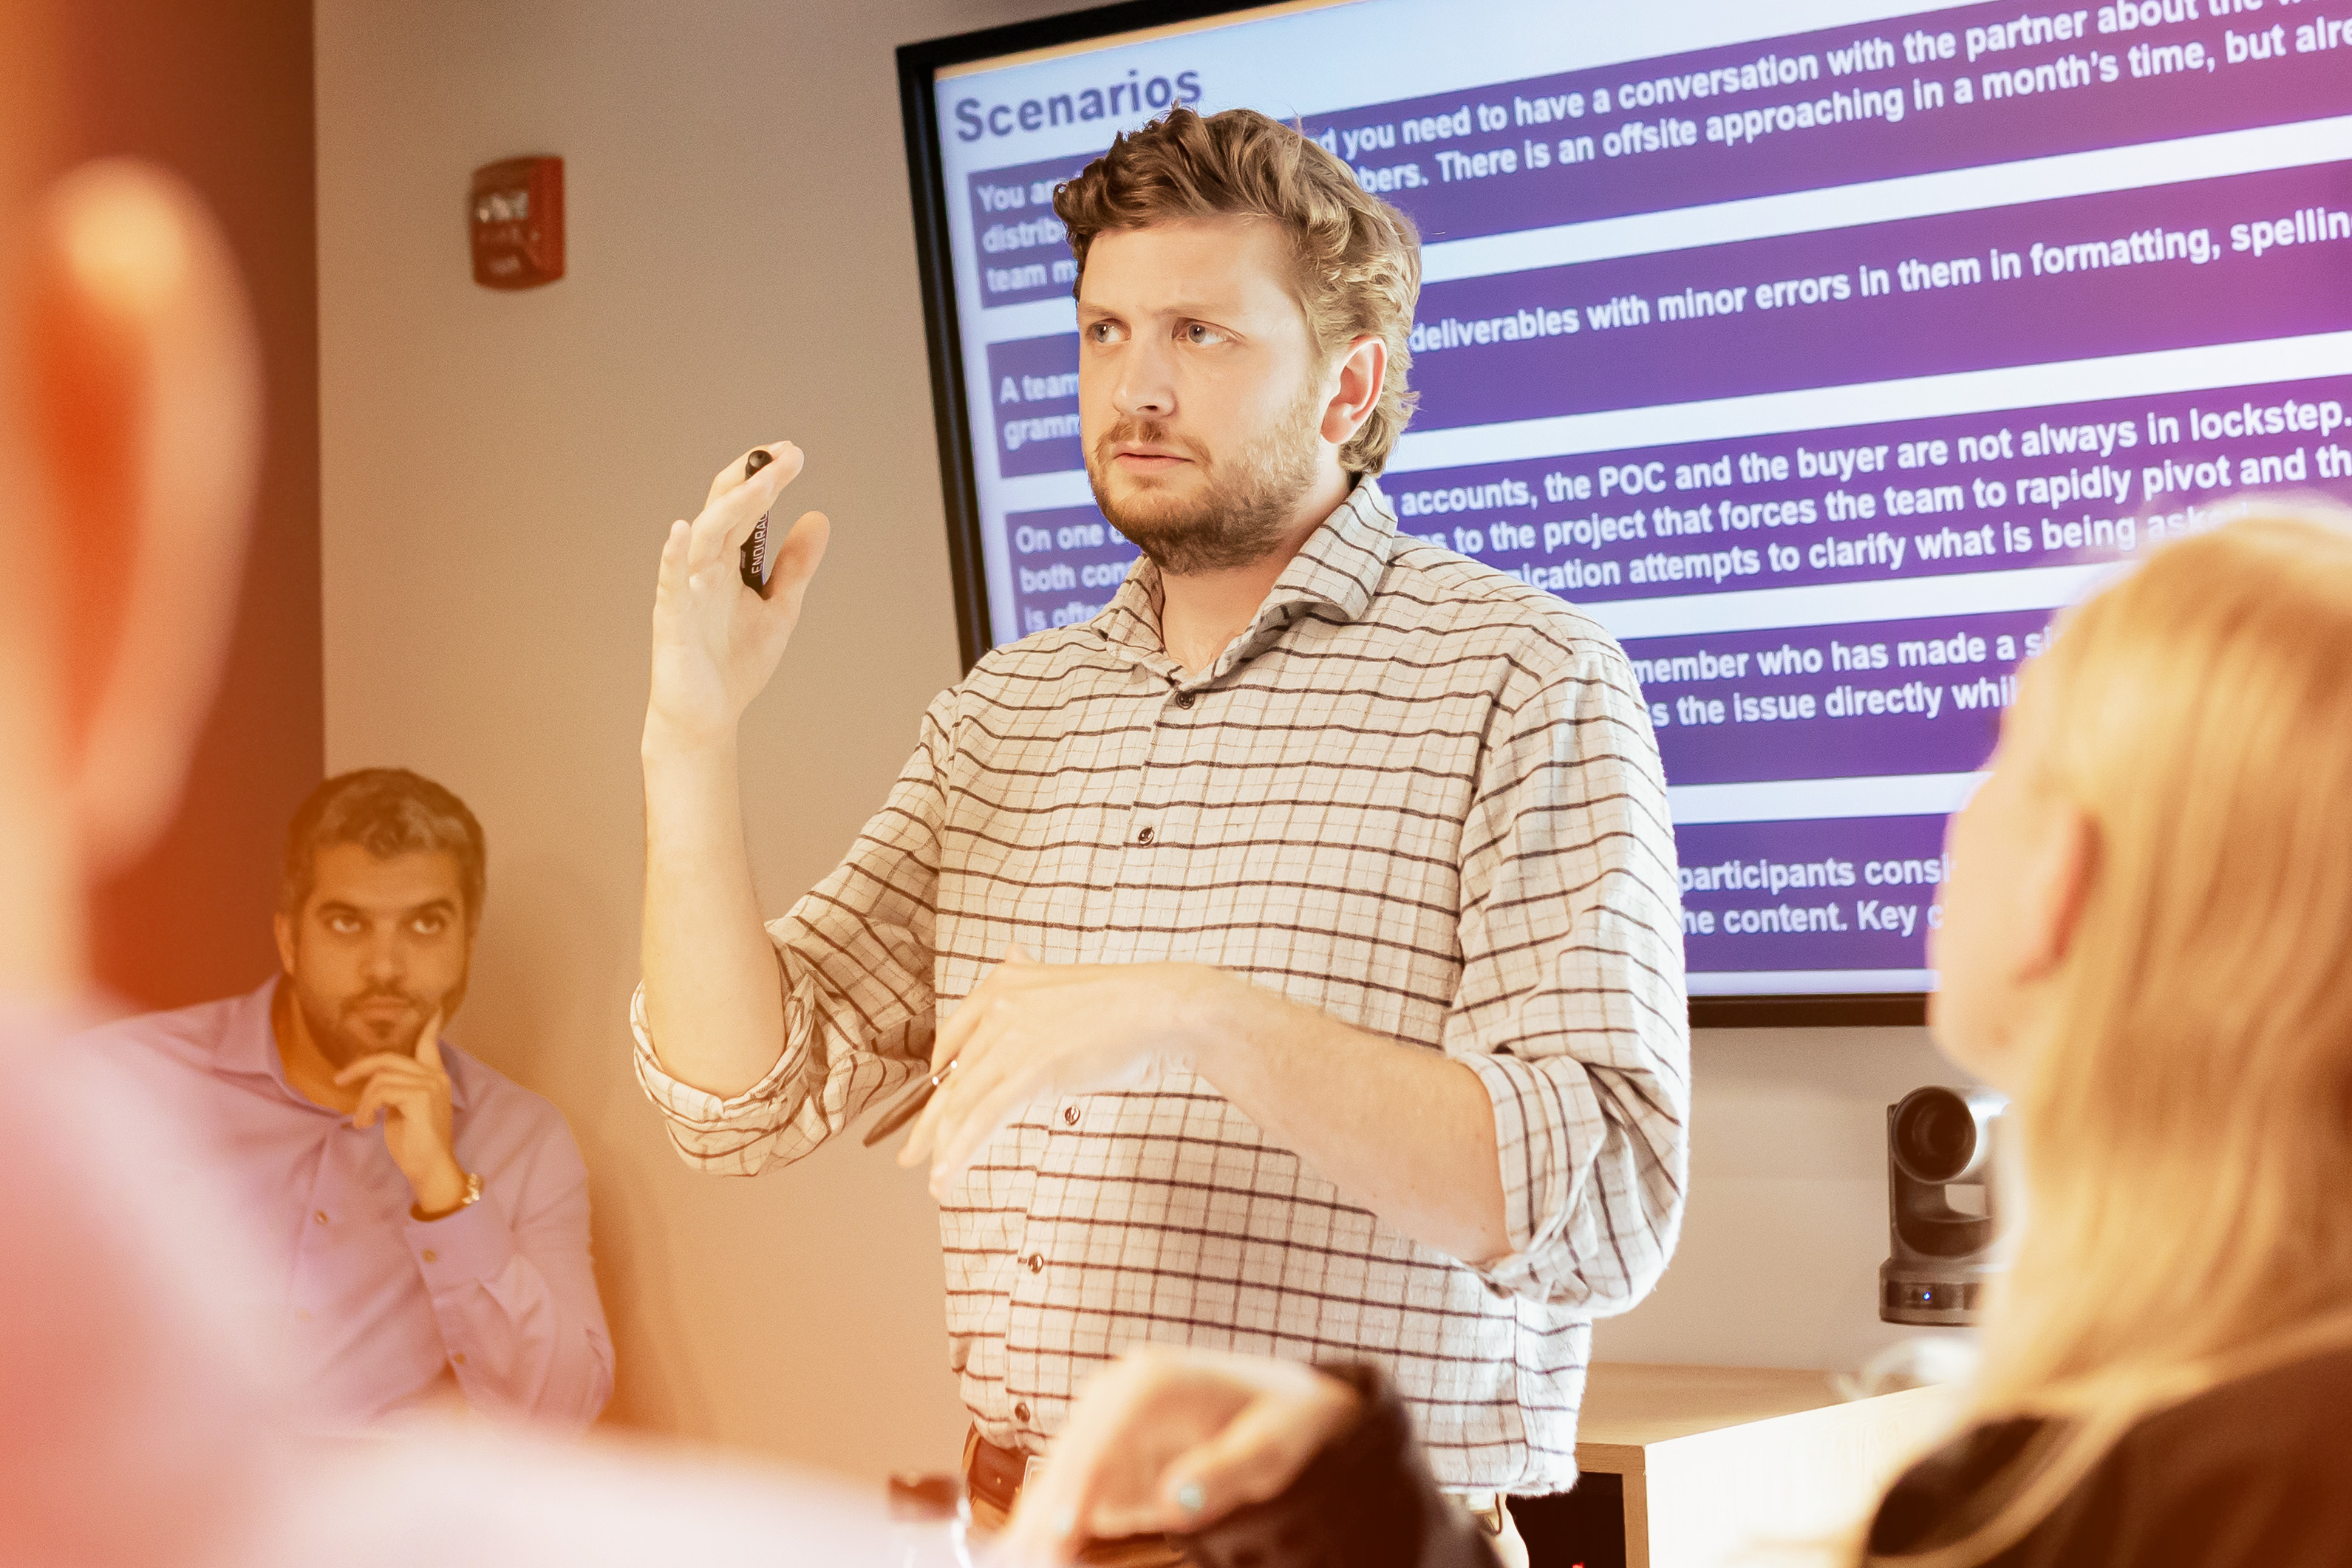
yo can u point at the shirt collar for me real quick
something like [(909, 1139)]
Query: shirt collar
[(1337, 571), (250, 1045)]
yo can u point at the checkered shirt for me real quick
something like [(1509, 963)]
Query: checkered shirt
[(1415, 794)]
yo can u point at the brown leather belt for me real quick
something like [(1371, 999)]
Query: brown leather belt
[(995, 1475)]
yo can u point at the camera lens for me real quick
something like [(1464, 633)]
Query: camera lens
[(1934, 1135)]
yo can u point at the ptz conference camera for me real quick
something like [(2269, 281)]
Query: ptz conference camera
[(1943, 1210)]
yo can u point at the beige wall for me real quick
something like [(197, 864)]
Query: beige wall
[(498, 473)]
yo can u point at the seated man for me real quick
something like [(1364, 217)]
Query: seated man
[(427, 1216)]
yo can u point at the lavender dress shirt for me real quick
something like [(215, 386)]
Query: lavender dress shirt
[(382, 1312)]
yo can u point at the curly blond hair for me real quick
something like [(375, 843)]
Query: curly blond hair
[(1359, 258)]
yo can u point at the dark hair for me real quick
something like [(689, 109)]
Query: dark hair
[(1359, 258), (390, 811)]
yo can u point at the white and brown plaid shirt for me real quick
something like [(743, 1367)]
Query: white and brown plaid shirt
[(1415, 794)]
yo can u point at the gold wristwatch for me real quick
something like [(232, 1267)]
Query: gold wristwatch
[(473, 1196)]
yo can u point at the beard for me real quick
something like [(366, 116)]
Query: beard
[(343, 1037), (1242, 511)]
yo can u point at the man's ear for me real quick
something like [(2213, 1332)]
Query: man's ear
[(281, 926), (1363, 371), (147, 414)]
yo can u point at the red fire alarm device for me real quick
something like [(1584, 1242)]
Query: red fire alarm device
[(517, 217)]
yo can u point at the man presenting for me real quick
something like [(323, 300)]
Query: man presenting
[(1296, 942), (428, 1215)]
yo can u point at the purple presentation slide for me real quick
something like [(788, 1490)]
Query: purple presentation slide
[(2069, 484), (1970, 86), (1036, 384), (1825, 896), (1024, 254), (2088, 277), (1825, 371)]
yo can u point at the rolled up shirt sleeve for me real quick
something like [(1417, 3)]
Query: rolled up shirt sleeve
[(854, 967), (1572, 1009), (514, 1290)]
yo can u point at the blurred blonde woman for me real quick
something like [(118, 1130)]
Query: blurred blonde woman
[(2147, 942)]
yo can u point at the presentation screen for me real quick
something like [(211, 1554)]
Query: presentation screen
[(1820, 350)]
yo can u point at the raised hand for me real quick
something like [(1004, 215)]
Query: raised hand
[(1175, 1439), (716, 641), (411, 1095)]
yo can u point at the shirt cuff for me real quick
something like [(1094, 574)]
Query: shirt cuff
[(698, 1110), (463, 1248), (1532, 1143)]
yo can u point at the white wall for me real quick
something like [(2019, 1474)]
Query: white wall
[(499, 471)]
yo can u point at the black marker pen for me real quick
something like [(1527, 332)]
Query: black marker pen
[(756, 562)]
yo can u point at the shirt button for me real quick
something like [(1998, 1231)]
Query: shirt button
[(459, 1360), (430, 1256), (320, 1216), (1069, 1116), (1184, 700), (1037, 1261), (301, 1314), (1021, 1411), (1142, 835)]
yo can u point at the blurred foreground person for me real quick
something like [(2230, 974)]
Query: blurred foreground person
[(121, 330), (426, 1217), (141, 1419), (2147, 944)]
